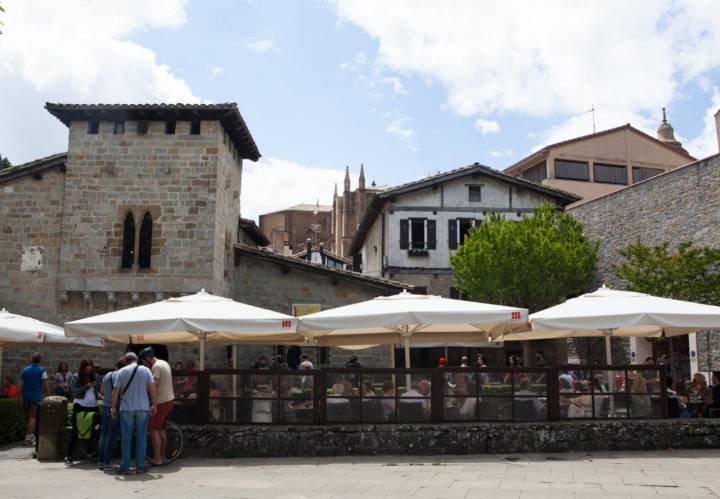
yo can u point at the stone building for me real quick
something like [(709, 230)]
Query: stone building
[(348, 210), (281, 283), (288, 229), (600, 163), (144, 205), (677, 206)]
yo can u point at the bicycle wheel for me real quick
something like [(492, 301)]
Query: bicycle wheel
[(173, 444)]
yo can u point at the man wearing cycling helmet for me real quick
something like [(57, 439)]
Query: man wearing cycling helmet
[(165, 400)]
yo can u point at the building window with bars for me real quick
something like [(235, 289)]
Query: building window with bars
[(642, 173), (475, 193), (536, 173), (417, 235), (610, 174)]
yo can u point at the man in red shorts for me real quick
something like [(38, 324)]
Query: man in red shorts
[(165, 400)]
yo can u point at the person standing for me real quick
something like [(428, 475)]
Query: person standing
[(85, 393), (110, 429), (33, 385), (62, 380), (133, 401), (162, 375)]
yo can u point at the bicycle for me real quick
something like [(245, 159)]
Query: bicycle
[(174, 443)]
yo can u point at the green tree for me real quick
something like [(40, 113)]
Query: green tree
[(4, 162), (535, 263), (692, 273)]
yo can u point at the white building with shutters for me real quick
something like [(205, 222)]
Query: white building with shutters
[(409, 232)]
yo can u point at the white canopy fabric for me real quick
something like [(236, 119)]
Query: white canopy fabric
[(608, 312), (407, 318), (20, 330), (200, 317)]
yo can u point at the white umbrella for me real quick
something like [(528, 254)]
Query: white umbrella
[(20, 330), (200, 317), (407, 318), (608, 312)]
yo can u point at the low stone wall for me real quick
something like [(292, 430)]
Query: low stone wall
[(436, 439)]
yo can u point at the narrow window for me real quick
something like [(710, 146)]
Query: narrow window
[(452, 234), (142, 127), (119, 128), (93, 127), (128, 244), (536, 173), (170, 128), (145, 242), (572, 170), (474, 193), (464, 224), (195, 127), (417, 233), (404, 232)]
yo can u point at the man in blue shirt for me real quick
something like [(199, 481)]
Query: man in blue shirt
[(33, 386), (132, 395)]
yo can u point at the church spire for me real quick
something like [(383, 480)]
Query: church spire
[(347, 179), (335, 193), (666, 134), (362, 177)]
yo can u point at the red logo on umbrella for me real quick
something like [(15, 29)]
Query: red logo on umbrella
[(286, 324), (515, 315)]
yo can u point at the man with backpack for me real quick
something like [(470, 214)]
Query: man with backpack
[(133, 401)]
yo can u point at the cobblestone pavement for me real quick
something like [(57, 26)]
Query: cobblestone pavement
[(670, 474)]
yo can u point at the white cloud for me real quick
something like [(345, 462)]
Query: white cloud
[(501, 153), (553, 58), (487, 126), (260, 46), (398, 128), (396, 84), (216, 71), (272, 184), (356, 64), (706, 144), (78, 51)]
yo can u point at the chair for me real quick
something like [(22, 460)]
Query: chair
[(372, 411), (525, 410), (411, 411)]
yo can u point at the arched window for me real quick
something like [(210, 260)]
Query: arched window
[(128, 242), (145, 241)]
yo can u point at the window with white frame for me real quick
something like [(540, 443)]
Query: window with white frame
[(458, 229), (417, 234)]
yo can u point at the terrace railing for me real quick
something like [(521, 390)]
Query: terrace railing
[(354, 396)]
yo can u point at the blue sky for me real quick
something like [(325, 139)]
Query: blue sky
[(408, 88)]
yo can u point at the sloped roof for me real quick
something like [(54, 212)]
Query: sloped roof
[(227, 113), (609, 131), (253, 231), (35, 167), (316, 268), (377, 202)]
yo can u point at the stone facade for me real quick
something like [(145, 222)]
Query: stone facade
[(451, 439), (680, 205), (275, 282), (121, 160)]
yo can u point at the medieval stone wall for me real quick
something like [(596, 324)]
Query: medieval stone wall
[(681, 205)]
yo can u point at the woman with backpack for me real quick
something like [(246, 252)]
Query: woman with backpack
[(85, 393)]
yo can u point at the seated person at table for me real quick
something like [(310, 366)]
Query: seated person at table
[(388, 404), (525, 390), (566, 388), (415, 395), (640, 403), (581, 405), (466, 405), (368, 389), (262, 410), (699, 395), (715, 389), (336, 397)]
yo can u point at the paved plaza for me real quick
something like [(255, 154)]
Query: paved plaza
[(670, 474)]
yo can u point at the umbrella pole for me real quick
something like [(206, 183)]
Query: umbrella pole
[(406, 342), (2, 351), (611, 380), (202, 353)]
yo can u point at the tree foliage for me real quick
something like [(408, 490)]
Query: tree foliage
[(4, 162), (535, 263), (692, 273)]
